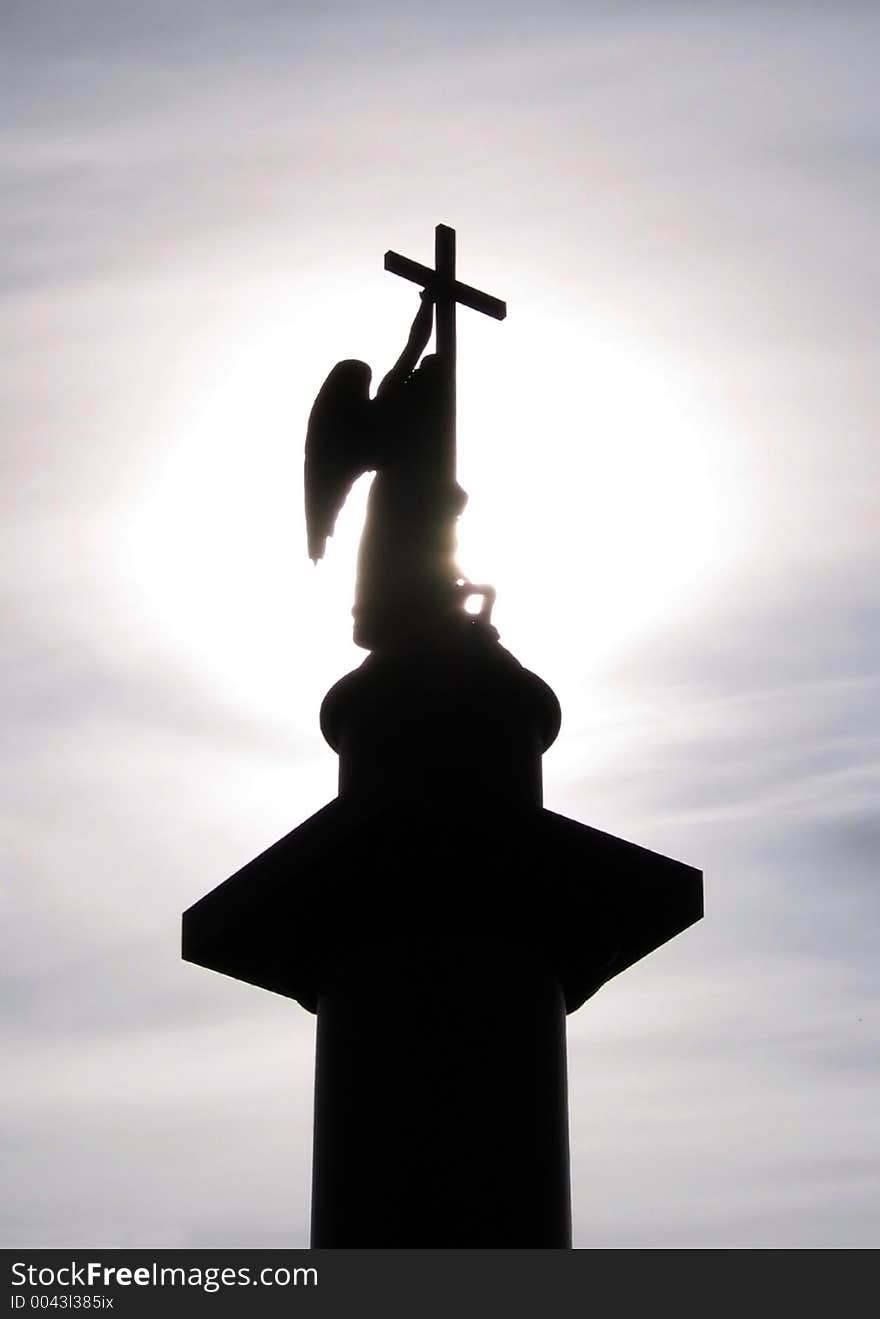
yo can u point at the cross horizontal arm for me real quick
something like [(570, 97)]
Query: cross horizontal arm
[(429, 279)]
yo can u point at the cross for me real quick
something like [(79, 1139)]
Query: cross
[(446, 291)]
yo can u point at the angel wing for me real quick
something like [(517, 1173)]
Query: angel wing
[(337, 448)]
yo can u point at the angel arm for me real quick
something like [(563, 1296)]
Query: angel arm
[(416, 344)]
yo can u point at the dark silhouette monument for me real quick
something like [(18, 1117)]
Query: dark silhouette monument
[(439, 921)]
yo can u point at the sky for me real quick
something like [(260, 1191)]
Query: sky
[(669, 447)]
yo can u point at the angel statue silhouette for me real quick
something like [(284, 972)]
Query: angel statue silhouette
[(408, 582)]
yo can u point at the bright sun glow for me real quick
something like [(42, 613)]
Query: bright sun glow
[(592, 490), (592, 508)]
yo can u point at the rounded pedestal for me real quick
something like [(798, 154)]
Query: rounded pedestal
[(458, 720)]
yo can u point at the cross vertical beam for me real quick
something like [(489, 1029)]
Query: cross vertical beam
[(444, 311), (446, 291)]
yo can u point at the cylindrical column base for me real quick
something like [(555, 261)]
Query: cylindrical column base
[(440, 1104)]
